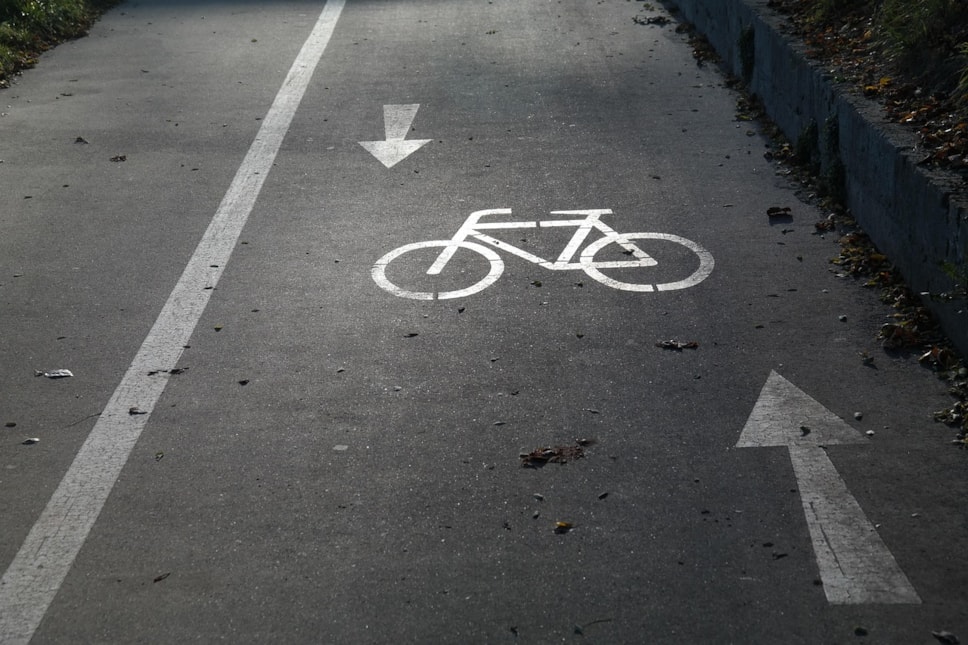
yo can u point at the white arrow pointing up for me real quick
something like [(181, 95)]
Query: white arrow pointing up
[(397, 120), (855, 565)]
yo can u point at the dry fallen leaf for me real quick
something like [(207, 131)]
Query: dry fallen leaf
[(559, 455), (946, 637)]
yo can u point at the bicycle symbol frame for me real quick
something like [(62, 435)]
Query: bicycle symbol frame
[(474, 228)]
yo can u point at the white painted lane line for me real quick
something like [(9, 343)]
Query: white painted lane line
[(33, 578), (855, 565), (397, 120)]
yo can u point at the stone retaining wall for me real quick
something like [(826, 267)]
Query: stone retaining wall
[(909, 212)]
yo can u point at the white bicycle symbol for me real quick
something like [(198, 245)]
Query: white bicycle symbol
[(474, 228)]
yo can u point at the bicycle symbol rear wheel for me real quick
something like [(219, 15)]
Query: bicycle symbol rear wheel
[(593, 268), (379, 271)]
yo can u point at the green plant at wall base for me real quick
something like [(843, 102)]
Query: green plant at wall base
[(747, 51), (833, 180), (807, 149), (960, 276)]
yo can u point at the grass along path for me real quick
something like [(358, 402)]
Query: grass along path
[(30, 27)]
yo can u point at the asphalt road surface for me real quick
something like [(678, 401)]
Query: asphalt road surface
[(323, 273)]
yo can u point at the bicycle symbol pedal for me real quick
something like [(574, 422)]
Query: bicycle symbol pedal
[(584, 222)]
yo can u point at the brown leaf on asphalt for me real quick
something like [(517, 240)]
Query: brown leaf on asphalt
[(825, 225), (119, 158), (538, 457), (946, 637), (175, 371)]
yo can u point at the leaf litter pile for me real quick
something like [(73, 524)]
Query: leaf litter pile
[(912, 329)]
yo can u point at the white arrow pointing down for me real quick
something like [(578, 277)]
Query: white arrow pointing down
[(855, 565), (397, 120)]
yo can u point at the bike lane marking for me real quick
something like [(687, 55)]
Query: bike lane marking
[(855, 565), (397, 120), (379, 271), (591, 267), (472, 228), (35, 575)]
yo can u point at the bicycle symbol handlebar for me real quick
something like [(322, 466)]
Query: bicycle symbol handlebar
[(474, 228)]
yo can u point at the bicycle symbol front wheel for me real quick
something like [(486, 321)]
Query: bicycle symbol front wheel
[(496, 267), (593, 268)]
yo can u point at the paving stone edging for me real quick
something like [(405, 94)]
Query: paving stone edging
[(909, 212)]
